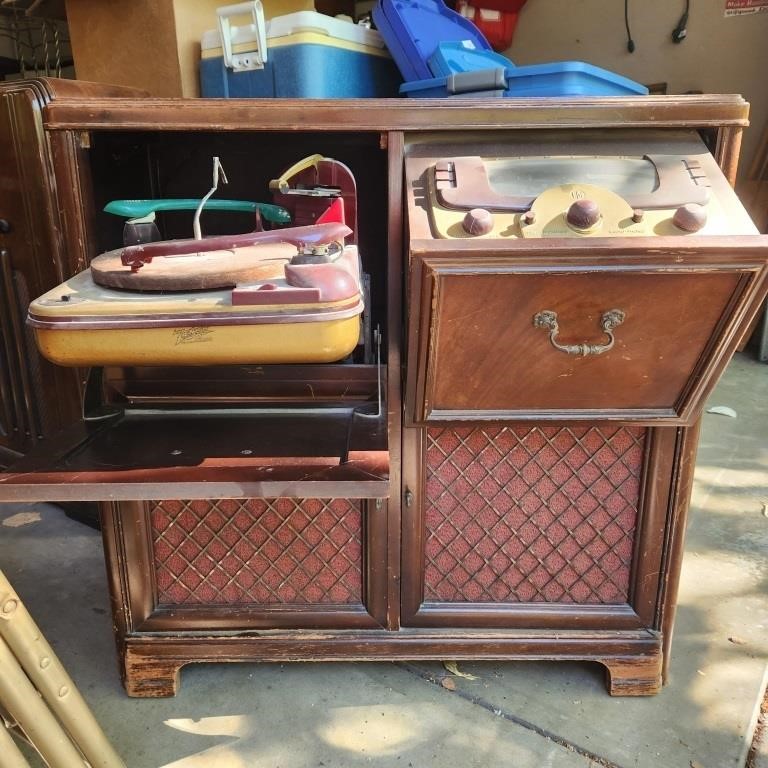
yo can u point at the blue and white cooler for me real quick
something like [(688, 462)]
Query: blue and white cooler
[(298, 55)]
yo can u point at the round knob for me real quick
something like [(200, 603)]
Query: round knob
[(583, 214), (478, 221), (690, 217), (5, 226)]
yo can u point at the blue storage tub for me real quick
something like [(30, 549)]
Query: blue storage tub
[(450, 57), (298, 55), (442, 54), (413, 28), (487, 83), (565, 78)]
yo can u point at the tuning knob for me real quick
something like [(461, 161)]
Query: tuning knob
[(690, 217), (478, 221), (583, 214)]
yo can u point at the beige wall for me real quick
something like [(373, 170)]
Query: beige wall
[(720, 55), (149, 44)]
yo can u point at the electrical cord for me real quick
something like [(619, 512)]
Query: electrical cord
[(630, 41), (679, 33)]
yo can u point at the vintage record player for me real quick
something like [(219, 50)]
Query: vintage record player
[(288, 295)]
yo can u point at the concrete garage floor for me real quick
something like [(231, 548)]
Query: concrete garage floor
[(514, 714)]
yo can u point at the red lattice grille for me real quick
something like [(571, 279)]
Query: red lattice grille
[(266, 551), (530, 514)]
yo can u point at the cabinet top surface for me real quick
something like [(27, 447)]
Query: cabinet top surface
[(90, 106)]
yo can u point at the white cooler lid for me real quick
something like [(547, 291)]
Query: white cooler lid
[(297, 23)]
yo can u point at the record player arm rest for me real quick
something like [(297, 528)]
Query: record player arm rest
[(317, 234)]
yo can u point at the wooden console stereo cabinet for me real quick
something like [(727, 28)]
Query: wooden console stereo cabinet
[(510, 501)]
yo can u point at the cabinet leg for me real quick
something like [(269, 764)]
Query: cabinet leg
[(150, 676), (633, 675)]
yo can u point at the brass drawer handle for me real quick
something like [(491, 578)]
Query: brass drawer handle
[(610, 320)]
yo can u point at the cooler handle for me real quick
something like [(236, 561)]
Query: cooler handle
[(252, 59)]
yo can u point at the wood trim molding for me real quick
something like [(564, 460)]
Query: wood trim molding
[(394, 361), (86, 113), (632, 658), (680, 496)]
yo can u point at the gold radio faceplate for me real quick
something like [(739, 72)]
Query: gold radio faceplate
[(464, 204)]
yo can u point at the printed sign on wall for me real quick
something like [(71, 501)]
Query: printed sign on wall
[(744, 7)]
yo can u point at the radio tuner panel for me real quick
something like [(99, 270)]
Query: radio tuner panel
[(595, 190)]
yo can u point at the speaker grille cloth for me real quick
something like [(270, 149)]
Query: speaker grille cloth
[(531, 514), (265, 551)]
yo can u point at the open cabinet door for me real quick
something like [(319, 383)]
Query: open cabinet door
[(139, 442)]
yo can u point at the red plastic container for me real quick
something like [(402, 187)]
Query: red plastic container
[(496, 19)]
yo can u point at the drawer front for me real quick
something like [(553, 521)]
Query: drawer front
[(497, 341)]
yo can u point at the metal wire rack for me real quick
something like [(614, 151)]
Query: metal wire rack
[(31, 45)]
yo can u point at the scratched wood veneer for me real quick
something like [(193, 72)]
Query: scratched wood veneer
[(505, 505)]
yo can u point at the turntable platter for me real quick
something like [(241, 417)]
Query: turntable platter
[(197, 271)]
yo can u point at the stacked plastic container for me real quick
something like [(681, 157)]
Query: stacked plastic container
[(298, 55), (442, 54)]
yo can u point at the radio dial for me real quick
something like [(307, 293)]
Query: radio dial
[(583, 214), (690, 217), (478, 221)]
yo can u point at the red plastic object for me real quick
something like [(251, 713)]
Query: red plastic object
[(496, 19), (305, 209), (334, 213), (508, 6)]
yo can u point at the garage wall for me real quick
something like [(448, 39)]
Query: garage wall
[(720, 55)]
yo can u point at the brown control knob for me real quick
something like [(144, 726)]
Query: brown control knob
[(583, 214), (478, 221), (690, 217)]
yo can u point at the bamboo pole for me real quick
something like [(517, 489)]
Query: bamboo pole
[(24, 704), (11, 754), (41, 664)]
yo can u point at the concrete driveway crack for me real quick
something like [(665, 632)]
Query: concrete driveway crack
[(479, 701)]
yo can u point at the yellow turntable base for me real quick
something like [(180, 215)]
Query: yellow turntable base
[(81, 323)]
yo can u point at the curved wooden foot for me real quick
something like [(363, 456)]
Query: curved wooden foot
[(633, 675), (148, 676)]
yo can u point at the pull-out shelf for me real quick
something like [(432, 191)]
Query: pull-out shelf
[(247, 433)]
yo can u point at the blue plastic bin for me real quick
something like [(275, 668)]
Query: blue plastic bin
[(560, 78), (489, 83), (412, 30), (450, 57), (442, 54), (565, 78)]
